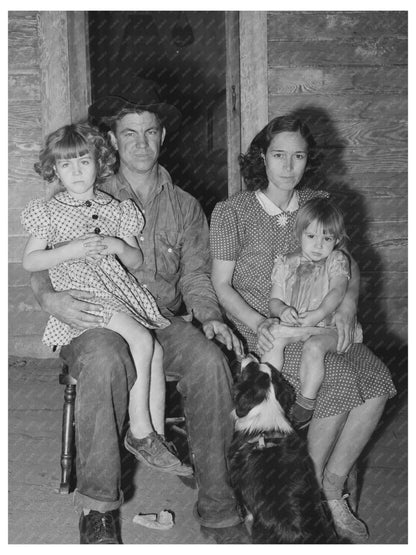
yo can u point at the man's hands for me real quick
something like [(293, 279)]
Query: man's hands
[(73, 308), (220, 331)]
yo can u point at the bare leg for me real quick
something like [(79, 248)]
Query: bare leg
[(141, 345), (312, 368), (335, 444), (322, 437), (275, 356), (355, 434), (157, 390)]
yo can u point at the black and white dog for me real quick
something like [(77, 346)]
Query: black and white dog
[(270, 468)]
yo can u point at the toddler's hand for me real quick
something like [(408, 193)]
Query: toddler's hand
[(310, 318), (290, 316)]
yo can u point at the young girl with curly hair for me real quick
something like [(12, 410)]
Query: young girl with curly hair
[(86, 239)]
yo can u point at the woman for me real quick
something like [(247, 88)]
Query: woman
[(247, 232)]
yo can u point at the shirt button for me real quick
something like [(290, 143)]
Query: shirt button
[(94, 216), (169, 249), (88, 203), (97, 230), (141, 238), (144, 285)]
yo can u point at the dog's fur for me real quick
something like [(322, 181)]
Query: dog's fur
[(273, 477)]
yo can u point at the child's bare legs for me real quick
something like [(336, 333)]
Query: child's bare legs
[(284, 335), (157, 395), (312, 372), (141, 344), (145, 437), (275, 356)]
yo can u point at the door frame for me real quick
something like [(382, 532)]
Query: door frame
[(246, 85), (246, 78)]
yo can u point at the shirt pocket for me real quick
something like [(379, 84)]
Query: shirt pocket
[(168, 253)]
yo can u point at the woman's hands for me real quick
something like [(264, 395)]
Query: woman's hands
[(265, 337), (345, 321)]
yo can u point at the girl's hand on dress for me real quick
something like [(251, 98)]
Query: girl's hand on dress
[(111, 245), (89, 246), (310, 318), (290, 316), (265, 337)]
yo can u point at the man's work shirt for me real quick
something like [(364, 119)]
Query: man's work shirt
[(175, 246)]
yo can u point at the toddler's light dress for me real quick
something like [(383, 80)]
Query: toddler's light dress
[(64, 218), (303, 283)]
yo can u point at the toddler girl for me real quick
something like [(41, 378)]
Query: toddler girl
[(86, 239), (307, 287)]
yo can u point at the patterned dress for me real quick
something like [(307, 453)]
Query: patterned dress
[(64, 218), (244, 232), (303, 283)]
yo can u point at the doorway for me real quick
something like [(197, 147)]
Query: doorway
[(185, 53)]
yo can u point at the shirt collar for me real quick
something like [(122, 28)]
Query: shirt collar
[(65, 198), (163, 180), (273, 210)]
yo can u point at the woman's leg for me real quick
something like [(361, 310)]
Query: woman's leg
[(358, 429), (335, 443), (141, 344)]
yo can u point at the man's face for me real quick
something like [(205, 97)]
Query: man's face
[(138, 138)]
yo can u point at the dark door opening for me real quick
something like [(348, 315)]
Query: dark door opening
[(185, 53)]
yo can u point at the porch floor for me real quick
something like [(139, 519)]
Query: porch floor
[(40, 515)]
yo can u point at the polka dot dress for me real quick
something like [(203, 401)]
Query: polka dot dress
[(243, 232), (62, 219)]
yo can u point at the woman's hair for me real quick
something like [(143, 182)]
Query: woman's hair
[(325, 213), (252, 164), (72, 141)]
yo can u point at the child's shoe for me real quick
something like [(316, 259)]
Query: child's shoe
[(153, 450)]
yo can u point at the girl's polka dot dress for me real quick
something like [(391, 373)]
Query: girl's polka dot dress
[(64, 218)]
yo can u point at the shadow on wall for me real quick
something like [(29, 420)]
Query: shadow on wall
[(332, 175)]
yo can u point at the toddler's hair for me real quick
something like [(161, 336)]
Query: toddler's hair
[(72, 141), (325, 213)]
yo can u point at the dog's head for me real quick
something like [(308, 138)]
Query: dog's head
[(262, 398)]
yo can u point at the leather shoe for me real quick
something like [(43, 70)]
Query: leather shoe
[(231, 534), (155, 451), (96, 527)]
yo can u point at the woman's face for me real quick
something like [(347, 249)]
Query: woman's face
[(285, 160)]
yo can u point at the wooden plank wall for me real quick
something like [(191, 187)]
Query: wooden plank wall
[(346, 73), (26, 320)]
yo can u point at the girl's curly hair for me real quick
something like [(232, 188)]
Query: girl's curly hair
[(72, 141), (252, 164)]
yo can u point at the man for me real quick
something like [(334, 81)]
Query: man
[(175, 245)]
